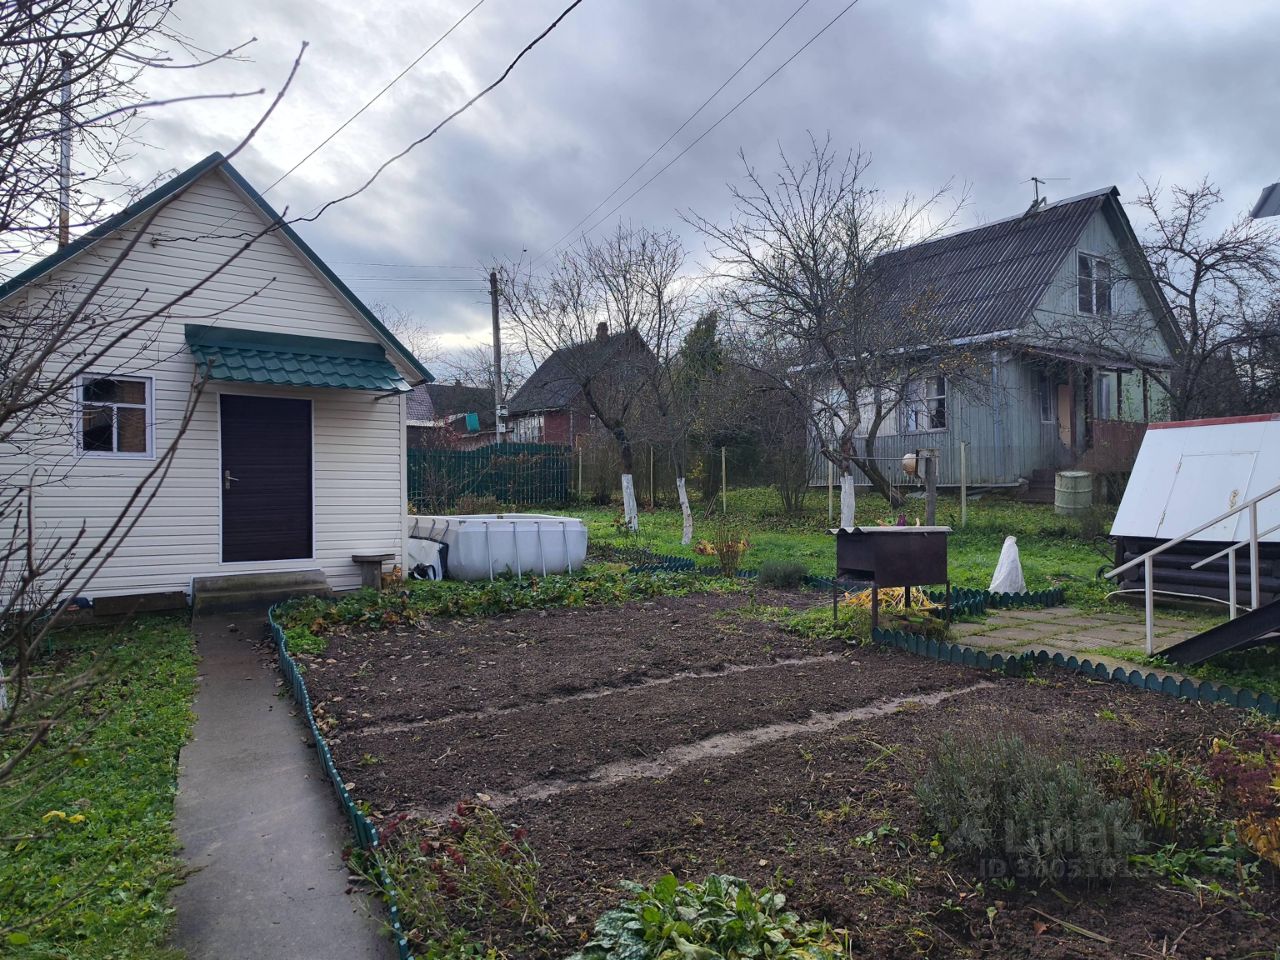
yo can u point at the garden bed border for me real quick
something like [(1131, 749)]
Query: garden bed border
[(366, 834), (1206, 691)]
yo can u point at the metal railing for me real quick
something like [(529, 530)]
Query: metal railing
[(1255, 590)]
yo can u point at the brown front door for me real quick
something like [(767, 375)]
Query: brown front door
[(266, 478)]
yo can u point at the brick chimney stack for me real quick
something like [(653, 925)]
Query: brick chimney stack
[(602, 331)]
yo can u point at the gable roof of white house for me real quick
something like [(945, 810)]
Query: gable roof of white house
[(174, 188)]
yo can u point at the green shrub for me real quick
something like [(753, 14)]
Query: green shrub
[(785, 574), (1024, 815), (300, 639), (722, 917)]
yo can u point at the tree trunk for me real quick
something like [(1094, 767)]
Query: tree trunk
[(686, 535), (847, 500), (629, 510)]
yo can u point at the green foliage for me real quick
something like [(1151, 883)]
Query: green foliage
[(852, 625), (721, 919), (784, 574), (455, 880), (1055, 550), (1022, 814), (300, 639), (89, 854), (456, 598), (1186, 867)]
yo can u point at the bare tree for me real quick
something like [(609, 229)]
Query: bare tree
[(409, 330), (77, 65), (814, 309), (472, 366), (608, 312), (55, 331)]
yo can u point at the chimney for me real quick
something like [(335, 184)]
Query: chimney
[(602, 330)]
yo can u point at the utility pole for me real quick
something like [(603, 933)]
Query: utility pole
[(64, 156), (498, 425)]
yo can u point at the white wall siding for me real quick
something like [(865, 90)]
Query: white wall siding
[(358, 437)]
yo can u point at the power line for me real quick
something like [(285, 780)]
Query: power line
[(687, 120), (374, 99), (458, 112), (723, 117)]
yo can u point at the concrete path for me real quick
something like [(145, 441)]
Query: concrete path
[(1071, 632), (258, 822)]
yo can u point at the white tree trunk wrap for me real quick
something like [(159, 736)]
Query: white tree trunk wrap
[(629, 510), (686, 536), (847, 500)]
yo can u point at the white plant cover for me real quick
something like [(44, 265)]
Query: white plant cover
[(1008, 576), (629, 509)]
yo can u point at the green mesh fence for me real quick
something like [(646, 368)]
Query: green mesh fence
[(366, 834), (519, 474)]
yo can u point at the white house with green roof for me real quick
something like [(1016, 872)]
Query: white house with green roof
[(281, 396)]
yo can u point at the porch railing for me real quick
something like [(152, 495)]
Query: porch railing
[(1255, 588)]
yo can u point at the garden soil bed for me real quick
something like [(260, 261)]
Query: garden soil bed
[(798, 771)]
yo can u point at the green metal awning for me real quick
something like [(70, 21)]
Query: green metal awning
[(255, 356)]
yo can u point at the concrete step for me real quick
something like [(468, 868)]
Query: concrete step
[(232, 593)]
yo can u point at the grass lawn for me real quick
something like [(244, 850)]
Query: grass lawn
[(89, 853), (1055, 550)]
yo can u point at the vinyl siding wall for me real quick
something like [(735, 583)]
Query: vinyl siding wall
[(358, 438)]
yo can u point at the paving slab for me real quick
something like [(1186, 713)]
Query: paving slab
[(260, 827)]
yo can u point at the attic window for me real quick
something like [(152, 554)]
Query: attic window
[(1093, 284), (115, 416)]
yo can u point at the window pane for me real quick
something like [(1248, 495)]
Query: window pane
[(1084, 283), (132, 430), (1102, 287), (96, 432), (111, 390)]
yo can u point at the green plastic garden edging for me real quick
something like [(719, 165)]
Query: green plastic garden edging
[(366, 833), (1186, 689)]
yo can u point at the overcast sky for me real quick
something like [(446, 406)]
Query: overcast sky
[(982, 93)]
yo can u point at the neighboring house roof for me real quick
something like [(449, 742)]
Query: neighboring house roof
[(988, 280), (439, 401), (557, 382), (172, 188)]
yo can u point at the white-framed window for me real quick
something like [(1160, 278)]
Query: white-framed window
[(1093, 284), (528, 429), (1045, 390), (114, 415), (924, 407)]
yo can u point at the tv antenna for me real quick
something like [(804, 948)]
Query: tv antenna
[(1040, 182)]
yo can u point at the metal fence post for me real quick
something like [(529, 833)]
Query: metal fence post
[(831, 493), (723, 483)]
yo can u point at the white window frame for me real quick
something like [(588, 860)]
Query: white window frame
[(148, 409), (915, 405), (1093, 259), (527, 427)]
